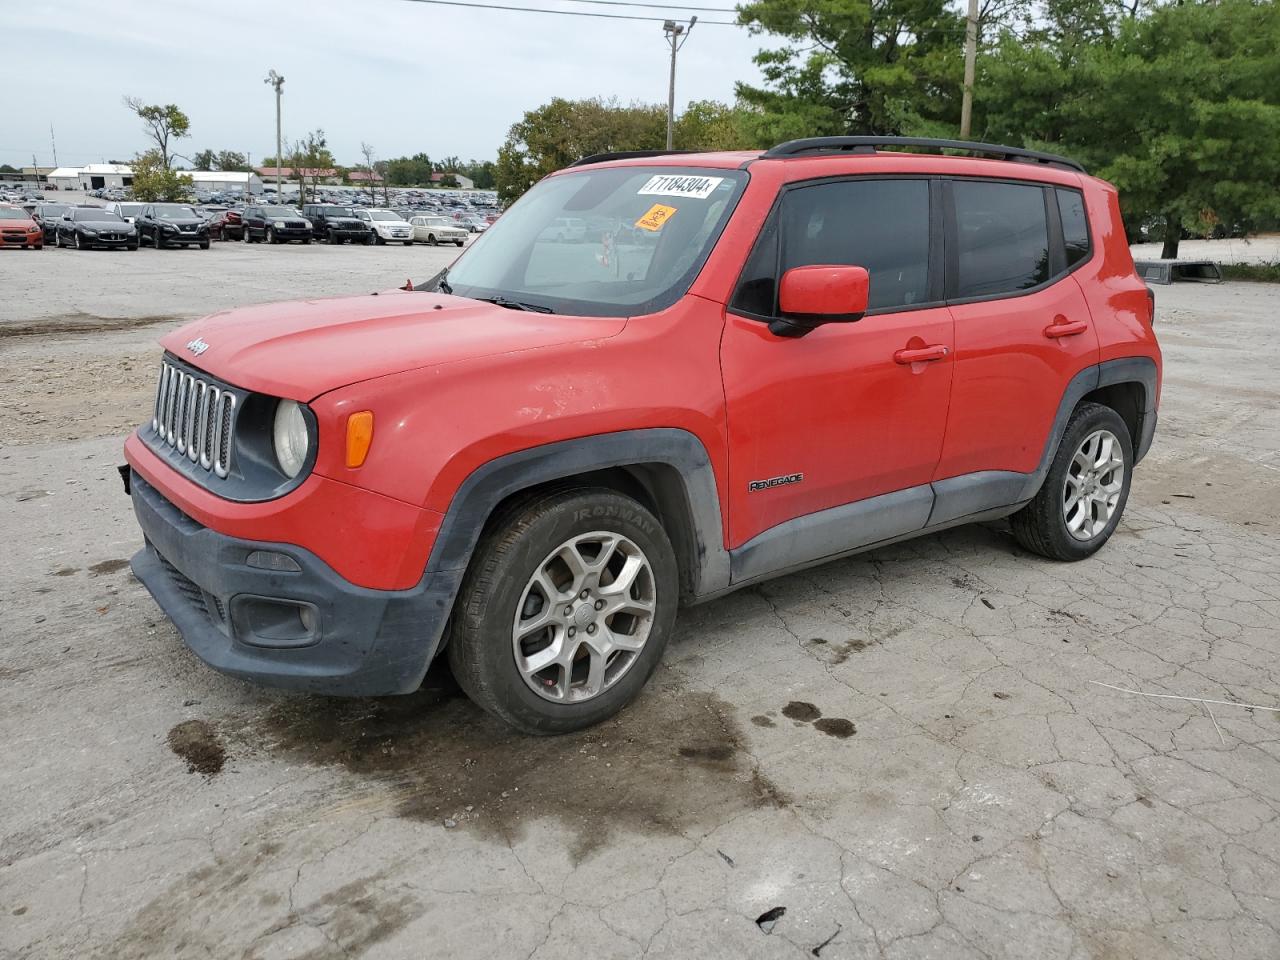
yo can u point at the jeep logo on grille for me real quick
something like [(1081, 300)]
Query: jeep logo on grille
[(197, 346)]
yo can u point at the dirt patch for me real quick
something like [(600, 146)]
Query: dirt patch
[(673, 760), (196, 742), (106, 567), (77, 323), (801, 711)]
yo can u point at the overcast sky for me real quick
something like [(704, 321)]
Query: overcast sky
[(405, 76)]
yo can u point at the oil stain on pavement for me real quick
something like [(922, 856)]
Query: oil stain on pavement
[(675, 759)]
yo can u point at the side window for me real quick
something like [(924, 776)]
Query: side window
[(1002, 237), (882, 225), (1075, 226)]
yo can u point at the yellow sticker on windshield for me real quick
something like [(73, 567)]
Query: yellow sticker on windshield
[(655, 217)]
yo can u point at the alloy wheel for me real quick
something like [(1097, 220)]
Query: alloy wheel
[(584, 617), (1094, 482)]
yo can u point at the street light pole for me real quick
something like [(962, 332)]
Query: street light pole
[(275, 80), (673, 32)]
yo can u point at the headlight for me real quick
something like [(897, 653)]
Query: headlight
[(290, 438), (277, 223), (88, 232)]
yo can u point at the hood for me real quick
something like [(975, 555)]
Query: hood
[(182, 221), (104, 224), (303, 348)]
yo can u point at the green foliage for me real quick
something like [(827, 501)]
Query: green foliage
[(228, 160), (5, 168), (1259, 272), (1180, 108), (163, 123), (309, 156), (153, 181), (711, 125), (448, 180), (412, 171), (854, 66)]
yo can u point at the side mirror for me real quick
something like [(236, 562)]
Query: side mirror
[(814, 295)]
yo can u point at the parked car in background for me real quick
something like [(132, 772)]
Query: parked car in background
[(387, 225), (475, 224), (336, 224), (48, 215), (127, 211), (172, 225), (226, 225), (87, 227), (274, 224), (437, 230), (17, 229)]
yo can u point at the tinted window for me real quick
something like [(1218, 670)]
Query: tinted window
[(882, 225), (1075, 226), (1002, 238)]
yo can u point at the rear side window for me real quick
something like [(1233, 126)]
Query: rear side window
[(882, 225), (1002, 238), (1075, 226)]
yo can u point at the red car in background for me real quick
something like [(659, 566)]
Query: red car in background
[(226, 225), (17, 229)]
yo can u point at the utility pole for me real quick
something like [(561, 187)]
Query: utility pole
[(275, 80), (970, 62), (673, 32), (53, 143)]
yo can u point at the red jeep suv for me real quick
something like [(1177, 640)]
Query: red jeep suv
[(748, 364)]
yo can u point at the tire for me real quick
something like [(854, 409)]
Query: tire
[(80, 243), (431, 239), (306, 241), (204, 245), (271, 235), (459, 242), (529, 537), (379, 241), (408, 243), (1044, 525), (131, 246), (157, 240), (368, 240)]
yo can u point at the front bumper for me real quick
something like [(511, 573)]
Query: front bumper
[(245, 620), (182, 239), (22, 239)]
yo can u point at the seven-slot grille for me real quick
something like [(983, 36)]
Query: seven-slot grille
[(196, 417)]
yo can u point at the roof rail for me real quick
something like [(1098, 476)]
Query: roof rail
[(625, 155), (994, 151)]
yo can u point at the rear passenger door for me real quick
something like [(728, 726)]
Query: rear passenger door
[(1022, 326), (841, 413)]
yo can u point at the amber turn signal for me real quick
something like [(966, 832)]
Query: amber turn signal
[(359, 437)]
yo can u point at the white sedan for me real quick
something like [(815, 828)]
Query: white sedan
[(434, 230), (387, 225)]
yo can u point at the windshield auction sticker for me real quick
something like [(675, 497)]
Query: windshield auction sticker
[(698, 188), (655, 217)]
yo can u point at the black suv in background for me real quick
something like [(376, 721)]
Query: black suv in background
[(336, 224), (171, 225), (274, 225), (48, 215)]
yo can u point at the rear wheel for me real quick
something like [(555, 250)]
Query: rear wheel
[(565, 610), (1083, 496)]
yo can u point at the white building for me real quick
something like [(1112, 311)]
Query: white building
[(98, 175), (65, 178), (225, 181)]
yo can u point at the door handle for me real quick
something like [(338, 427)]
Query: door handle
[(935, 351), (1062, 327)]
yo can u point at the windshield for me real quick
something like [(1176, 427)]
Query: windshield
[(606, 242), (13, 213), (336, 212), (128, 209), (86, 213), (52, 210), (384, 215), (279, 211), (175, 212)]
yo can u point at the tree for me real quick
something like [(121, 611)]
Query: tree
[(562, 131), (448, 180), (855, 66), (711, 125), (204, 160), (6, 168), (153, 181), (310, 157), (371, 168), (410, 171), (232, 161), (162, 123), (1178, 106)]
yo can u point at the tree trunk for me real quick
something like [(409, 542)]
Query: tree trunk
[(1172, 234)]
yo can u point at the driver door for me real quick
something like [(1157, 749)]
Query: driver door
[(849, 411)]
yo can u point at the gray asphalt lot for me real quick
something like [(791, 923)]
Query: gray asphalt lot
[(905, 750)]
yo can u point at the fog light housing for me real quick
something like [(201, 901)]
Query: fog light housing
[(274, 622)]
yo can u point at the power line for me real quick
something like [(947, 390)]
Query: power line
[(656, 6), (566, 13)]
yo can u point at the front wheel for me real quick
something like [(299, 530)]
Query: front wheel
[(271, 235), (204, 244), (565, 610), (458, 242), (1084, 493)]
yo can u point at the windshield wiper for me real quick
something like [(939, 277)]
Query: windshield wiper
[(516, 304)]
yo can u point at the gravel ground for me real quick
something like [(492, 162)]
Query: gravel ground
[(903, 751)]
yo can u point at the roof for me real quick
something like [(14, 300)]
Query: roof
[(226, 176), (291, 172), (69, 173), (364, 175), (119, 168)]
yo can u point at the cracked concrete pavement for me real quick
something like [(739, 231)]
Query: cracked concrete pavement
[(904, 749)]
